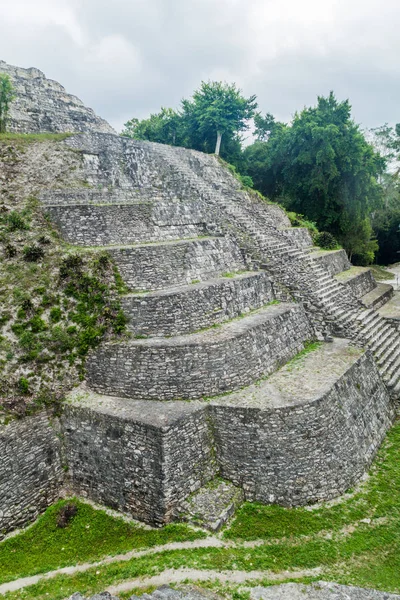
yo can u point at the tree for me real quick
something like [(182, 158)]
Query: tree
[(165, 127), (6, 97), (218, 109), (326, 170)]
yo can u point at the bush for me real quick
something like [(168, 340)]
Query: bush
[(325, 240), (33, 253), (23, 385), (246, 181), (66, 514), (70, 265), (10, 251), (16, 222)]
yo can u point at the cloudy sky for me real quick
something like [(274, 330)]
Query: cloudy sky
[(128, 58)]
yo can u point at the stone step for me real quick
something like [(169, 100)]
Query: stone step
[(263, 436), (108, 224), (212, 505), (202, 364), (86, 196), (378, 296), (148, 267), (187, 309), (358, 279), (391, 310), (335, 261)]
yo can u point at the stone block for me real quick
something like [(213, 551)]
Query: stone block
[(202, 364), (187, 309)]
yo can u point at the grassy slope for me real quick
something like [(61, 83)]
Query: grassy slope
[(355, 541), (53, 309)]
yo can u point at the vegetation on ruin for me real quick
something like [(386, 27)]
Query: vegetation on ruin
[(354, 540), (7, 95), (321, 165), (56, 302)]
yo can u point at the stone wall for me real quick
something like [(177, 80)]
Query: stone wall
[(140, 458), (299, 235), (359, 279), (189, 308), (335, 261), (43, 105), (308, 451), (30, 469), (202, 364), (100, 225), (152, 267)]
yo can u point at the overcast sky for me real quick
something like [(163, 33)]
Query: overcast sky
[(128, 58)]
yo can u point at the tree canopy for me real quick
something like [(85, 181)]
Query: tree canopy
[(210, 121), (321, 166), (6, 97)]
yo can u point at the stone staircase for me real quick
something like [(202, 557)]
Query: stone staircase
[(331, 306), (222, 295)]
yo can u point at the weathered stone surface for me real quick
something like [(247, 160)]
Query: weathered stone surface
[(139, 457), (30, 469), (212, 506), (43, 105), (308, 432), (359, 279), (201, 364), (186, 309), (318, 591), (156, 266), (106, 224), (335, 261), (378, 296), (391, 310), (299, 235)]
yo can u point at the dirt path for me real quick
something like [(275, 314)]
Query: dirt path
[(182, 574)]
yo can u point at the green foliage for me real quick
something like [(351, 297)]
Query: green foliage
[(215, 107), (299, 221), (33, 253), (89, 535), (325, 240), (7, 95), (218, 109), (322, 167), (15, 221)]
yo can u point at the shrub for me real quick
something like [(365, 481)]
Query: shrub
[(33, 253), (246, 181), (23, 385), (325, 240), (66, 514), (10, 251), (44, 240), (70, 265), (16, 222)]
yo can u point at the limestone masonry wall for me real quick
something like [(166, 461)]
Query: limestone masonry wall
[(300, 236), (308, 452), (335, 261), (30, 469), (362, 283), (99, 225), (43, 105), (132, 463), (190, 308), (152, 267), (202, 364)]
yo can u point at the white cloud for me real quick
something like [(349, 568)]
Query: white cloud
[(128, 57)]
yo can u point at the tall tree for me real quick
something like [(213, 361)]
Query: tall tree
[(220, 109), (165, 127), (7, 95), (325, 169)]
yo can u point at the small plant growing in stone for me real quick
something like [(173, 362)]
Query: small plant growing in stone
[(10, 251), (33, 253), (23, 385), (16, 222), (66, 514), (44, 241)]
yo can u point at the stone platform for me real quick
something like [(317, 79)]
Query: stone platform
[(304, 434)]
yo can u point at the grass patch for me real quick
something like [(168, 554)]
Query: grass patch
[(90, 535), (381, 273), (29, 138)]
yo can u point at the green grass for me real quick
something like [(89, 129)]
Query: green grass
[(34, 137), (356, 541), (91, 534), (381, 273)]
